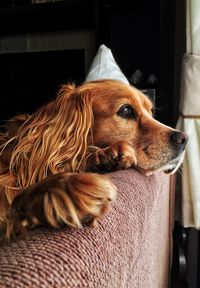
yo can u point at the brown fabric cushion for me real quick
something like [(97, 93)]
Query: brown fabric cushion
[(129, 248)]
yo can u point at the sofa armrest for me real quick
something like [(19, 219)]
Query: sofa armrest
[(128, 248)]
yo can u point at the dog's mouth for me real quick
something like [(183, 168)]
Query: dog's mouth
[(174, 165), (170, 168)]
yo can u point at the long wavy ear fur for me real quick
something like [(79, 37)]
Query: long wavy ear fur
[(52, 140)]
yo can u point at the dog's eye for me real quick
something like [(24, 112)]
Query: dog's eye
[(127, 112)]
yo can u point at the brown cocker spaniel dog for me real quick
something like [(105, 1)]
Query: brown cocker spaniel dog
[(51, 162)]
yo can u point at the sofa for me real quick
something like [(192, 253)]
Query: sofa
[(130, 247)]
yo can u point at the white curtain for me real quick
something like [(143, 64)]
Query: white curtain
[(189, 120)]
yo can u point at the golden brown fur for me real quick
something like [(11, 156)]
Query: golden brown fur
[(47, 158)]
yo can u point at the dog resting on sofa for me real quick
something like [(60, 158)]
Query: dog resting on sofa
[(52, 162)]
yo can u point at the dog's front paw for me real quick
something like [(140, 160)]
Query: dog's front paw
[(92, 196), (62, 199), (120, 155)]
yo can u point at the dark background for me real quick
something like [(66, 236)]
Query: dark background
[(139, 33), (29, 80)]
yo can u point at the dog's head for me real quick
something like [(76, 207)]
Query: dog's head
[(100, 113), (122, 112)]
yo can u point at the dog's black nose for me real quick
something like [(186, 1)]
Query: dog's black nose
[(179, 138)]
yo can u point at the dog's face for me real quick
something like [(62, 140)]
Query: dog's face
[(121, 112)]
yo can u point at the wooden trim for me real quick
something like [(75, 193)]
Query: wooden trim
[(190, 116)]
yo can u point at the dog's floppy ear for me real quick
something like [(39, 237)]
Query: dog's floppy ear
[(79, 122), (55, 138)]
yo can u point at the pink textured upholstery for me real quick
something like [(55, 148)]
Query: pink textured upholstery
[(129, 248)]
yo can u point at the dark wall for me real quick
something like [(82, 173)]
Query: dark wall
[(28, 80), (140, 34), (179, 49)]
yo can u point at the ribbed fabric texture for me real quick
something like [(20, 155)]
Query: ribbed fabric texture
[(129, 247)]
